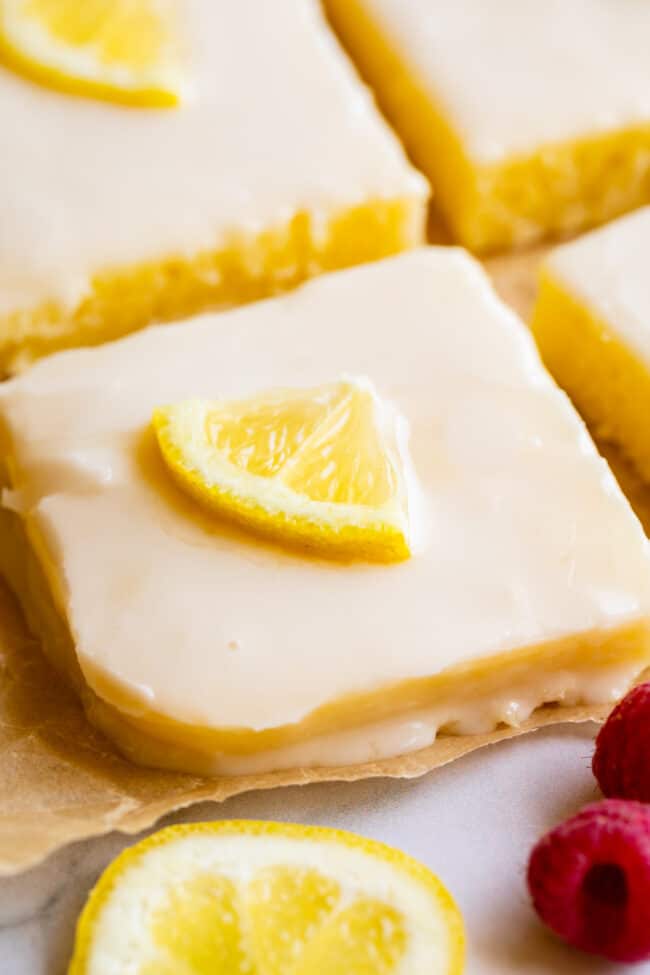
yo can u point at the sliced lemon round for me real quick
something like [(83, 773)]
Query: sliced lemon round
[(121, 50), (322, 467), (253, 898)]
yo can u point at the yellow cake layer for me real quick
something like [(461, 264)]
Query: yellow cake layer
[(463, 697), (122, 301), (592, 325), (608, 383), (197, 645), (557, 189)]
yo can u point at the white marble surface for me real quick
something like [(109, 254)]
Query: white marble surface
[(473, 822)]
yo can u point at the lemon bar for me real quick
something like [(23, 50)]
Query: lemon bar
[(275, 166), (592, 324), (531, 119), (197, 645)]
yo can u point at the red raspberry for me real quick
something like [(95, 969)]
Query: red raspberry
[(621, 761), (590, 879)]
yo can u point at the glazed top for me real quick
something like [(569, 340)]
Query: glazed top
[(275, 123), (516, 75), (528, 536), (608, 269)]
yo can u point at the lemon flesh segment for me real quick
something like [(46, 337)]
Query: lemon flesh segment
[(198, 929), (322, 468), (249, 898), (126, 51), (287, 907)]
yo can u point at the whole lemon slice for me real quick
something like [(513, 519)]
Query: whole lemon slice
[(321, 467), (121, 50), (252, 898)]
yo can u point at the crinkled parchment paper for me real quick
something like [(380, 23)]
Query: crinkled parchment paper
[(61, 781)]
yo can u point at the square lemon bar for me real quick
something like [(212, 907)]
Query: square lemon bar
[(196, 645), (592, 325), (275, 166), (531, 119)]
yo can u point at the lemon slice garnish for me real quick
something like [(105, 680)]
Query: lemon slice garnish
[(120, 50), (251, 898), (321, 467)]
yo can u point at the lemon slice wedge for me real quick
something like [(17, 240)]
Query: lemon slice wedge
[(322, 468), (121, 50), (253, 898)]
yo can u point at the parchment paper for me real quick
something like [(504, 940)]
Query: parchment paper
[(61, 781)]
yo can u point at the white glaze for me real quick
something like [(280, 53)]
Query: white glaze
[(531, 539), (513, 76)]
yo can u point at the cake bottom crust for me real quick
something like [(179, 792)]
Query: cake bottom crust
[(420, 723)]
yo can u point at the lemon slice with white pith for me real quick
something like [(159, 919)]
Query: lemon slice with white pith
[(322, 468), (251, 898), (120, 50)]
